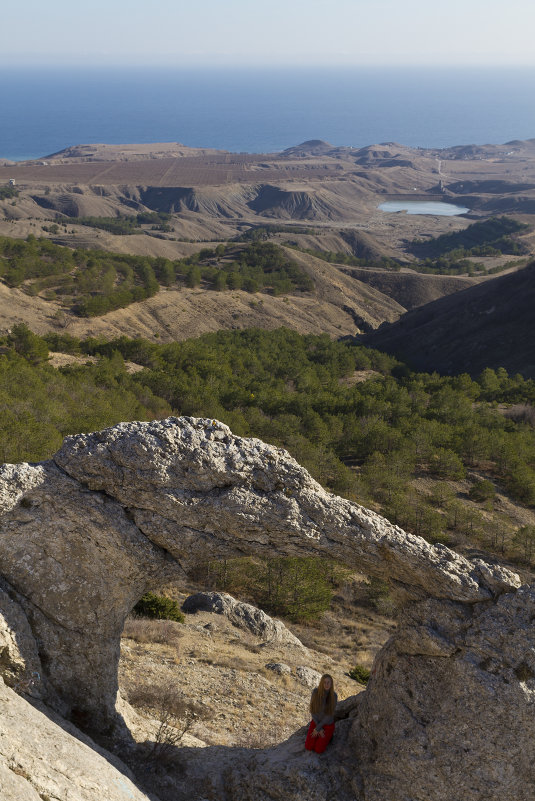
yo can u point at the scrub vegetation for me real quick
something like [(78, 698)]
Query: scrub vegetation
[(93, 282), (487, 238), (436, 455)]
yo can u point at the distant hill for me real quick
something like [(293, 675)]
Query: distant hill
[(312, 147), (168, 201), (489, 325), (411, 289)]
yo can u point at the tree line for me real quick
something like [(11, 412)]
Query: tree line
[(123, 224)]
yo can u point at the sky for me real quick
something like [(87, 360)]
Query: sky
[(247, 33)]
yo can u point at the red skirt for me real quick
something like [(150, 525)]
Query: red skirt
[(319, 743)]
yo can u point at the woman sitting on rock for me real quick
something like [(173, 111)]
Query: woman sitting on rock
[(322, 706)]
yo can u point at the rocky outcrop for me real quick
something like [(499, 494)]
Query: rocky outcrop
[(244, 616), (44, 757), (84, 535), (76, 565), (448, 712)]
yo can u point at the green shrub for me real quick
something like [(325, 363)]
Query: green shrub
[(446, 463), (30, 346), (380, 597), (8, 191), (482, 491), (158, 606), (360, 674)]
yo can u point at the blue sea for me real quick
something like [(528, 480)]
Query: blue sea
[(262, 110)]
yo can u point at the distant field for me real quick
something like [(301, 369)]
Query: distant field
[(191, 171)]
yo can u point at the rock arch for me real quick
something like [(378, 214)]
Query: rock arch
[(83, 535)]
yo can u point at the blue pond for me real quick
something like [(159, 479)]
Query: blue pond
[(423, 207)]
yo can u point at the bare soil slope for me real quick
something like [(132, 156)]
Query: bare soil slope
[(341, 305)]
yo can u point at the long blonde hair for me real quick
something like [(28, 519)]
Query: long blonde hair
[(321, 696)]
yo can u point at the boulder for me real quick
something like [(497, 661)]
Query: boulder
[(449, 708), (280, 668), (244, 616), (308, 676)]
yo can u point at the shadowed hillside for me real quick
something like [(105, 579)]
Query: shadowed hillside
[(489, 325)]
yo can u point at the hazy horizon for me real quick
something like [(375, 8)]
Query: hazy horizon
[(288, 33)]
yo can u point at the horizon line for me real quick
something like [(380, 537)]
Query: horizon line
[(280, 66)]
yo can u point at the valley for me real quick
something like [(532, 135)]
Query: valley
[(311, 200)]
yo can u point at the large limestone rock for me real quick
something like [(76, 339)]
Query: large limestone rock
[(77, 565), (84, 535), (44, 757), (199, 492), (449, 711)]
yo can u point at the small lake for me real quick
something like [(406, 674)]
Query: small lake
[(423, 207)]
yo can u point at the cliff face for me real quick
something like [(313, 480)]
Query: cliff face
[(113, 513)]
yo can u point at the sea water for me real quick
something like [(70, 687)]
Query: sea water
[(262, 110)]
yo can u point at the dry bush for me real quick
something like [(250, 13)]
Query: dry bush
[(231, 661), (175, 716), (521, 413), (145, 630), (252, 647)]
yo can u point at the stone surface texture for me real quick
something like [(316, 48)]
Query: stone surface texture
[(43, 757), (449, 710), (244, 616), (308, 676), (451, 704)]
